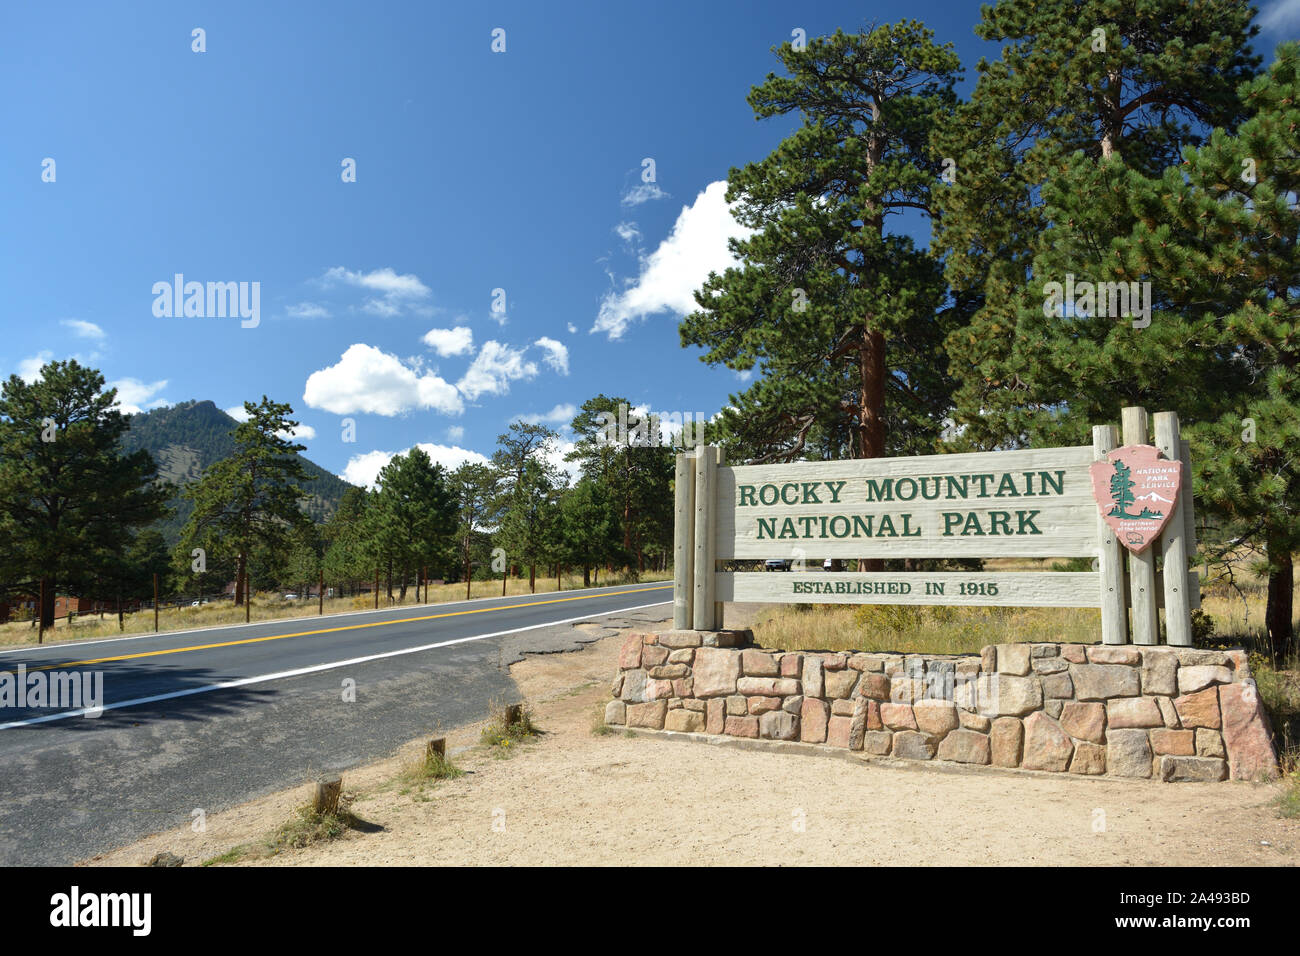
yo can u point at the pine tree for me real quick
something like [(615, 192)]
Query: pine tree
[(251, 499), (1084, 93), (842, 317), (1219, 235), (70, 501)]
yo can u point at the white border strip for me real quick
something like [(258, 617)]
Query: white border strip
[(315, 668)]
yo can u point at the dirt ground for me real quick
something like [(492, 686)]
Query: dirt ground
[(574, 797)]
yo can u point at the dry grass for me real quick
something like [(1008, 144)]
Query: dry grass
[(270, 607)]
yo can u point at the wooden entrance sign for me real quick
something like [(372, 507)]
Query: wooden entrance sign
[(1102, 502)]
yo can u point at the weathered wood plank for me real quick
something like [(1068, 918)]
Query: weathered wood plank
[(1173, 543), (706, 467), (1114, 581), (1141, 567), (1020, 516), (684, 542), (1014, 588)]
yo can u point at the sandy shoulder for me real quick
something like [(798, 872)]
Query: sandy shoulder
[(575, 797)]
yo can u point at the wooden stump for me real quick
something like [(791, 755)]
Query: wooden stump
[(514, 714), (437, 748), (328, 791)]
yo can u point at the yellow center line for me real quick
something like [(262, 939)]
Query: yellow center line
[(344, 627)]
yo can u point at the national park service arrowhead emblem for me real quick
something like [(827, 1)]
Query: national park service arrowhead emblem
[(1136, 491)]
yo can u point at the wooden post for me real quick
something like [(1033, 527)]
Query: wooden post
[(713, 526), (326, 798), (514, 714), (155, 601), (437, 748), (248, 597), (1173, 543), (702, 600), (1141, 567), (376, 588), (40, 616), (684, 542), (320, 590), (1110, 554), (1185, 500)]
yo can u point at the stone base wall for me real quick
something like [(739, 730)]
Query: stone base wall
[(1154, 712)]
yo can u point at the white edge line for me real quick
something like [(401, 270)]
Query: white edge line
[(336, 615), (315, 668)]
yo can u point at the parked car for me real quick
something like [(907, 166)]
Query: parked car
[(291, 596), (777, 564)]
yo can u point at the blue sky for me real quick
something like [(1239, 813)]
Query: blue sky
[(476, 171)]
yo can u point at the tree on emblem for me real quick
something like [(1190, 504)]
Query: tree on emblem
[(1121, 490)]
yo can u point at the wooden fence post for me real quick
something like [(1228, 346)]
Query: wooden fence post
[(155, 601), (1141, 567), (684, 542), (1173, 543), (320, 591), (1114, 596), (702, 599), (376, 589)]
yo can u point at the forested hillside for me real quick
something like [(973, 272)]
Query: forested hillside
[(188, 437)]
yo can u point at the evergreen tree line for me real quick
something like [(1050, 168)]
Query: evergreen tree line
[(1110, 141), (79, 514)]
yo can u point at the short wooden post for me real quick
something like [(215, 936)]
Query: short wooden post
[(155, 601), (320, 591), (702, 572), (376, 589), (684, 542), (1173, 544), (1141, 567), (326, 799), (1110, 554), (437, 748), (514, 714)]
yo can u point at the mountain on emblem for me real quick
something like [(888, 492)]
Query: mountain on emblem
[(1136, 491)]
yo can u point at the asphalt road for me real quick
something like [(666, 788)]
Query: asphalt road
[(206, 719)]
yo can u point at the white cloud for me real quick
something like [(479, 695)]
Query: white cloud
[(457, 341), (670, 275), (573, 329), (555, 456), (395, 292), (628, 231), (645, 192), (29, 369), (301, 433), (557, 354), (84, 329), (1280, 16), (307, 310), (366, 379), (364, 469), (559, 415), (493, 369), (134, 396), (455, 433)]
